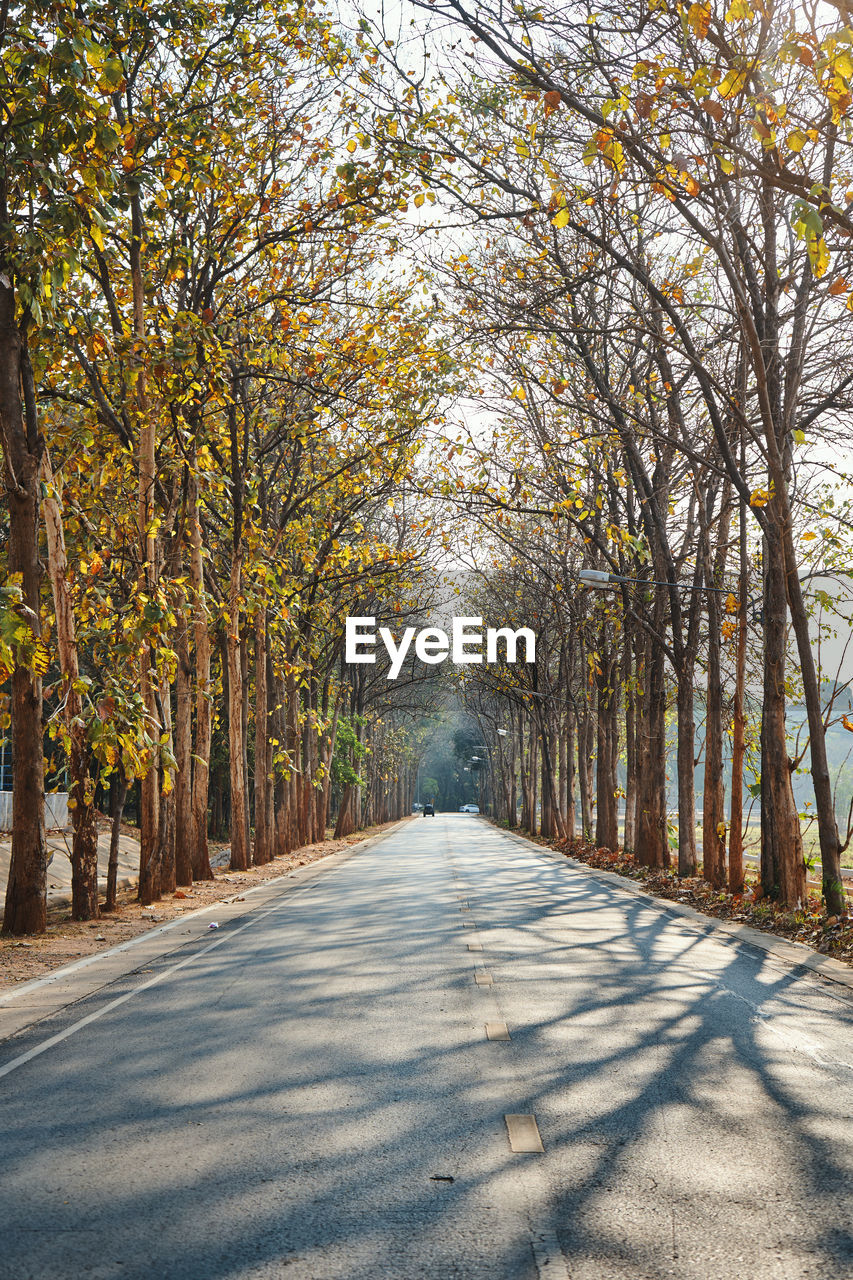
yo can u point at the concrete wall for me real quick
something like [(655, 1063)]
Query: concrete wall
[(55, 810)]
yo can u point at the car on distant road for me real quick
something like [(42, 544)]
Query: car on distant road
[(429, 811), (469, 808)]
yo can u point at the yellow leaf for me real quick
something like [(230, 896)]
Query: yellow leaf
[(699, 17), (808, 537), (738, 10), (818, 255), (419, 199), (796, 141), (351, 145), (95, 232), (562, 219), (733, 82)]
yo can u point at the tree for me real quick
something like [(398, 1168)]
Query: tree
[(55, 137), (682, 119)]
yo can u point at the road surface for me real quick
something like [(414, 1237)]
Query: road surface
[(311, 1093)]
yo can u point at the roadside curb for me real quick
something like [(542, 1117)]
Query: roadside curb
[(793, 954), (32, 1001)]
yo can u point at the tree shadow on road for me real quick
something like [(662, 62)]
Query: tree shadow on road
[(293, 1103)]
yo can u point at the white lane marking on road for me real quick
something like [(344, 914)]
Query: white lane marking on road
[(549, 1258), (128, 995), (483, 978), (523, 1133), (497, 1031)]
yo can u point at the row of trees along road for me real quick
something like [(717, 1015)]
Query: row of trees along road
[(659, 264), (211, 394), (205, 312)]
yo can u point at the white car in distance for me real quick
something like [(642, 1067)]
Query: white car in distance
[(469, 808)]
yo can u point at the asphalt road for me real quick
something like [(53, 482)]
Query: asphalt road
[(310, 1092)]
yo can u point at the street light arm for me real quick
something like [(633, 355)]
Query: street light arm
[(600, 578)]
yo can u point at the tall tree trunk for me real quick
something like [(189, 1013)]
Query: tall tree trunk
[(84, 840), (26, 888), (713, 800), (827, 825), (561, 770), (652, 847), (146, 462), (309, 761), (361, 735), (532, 761), (235, 661), (569, 738), (119, 797), (262, 851), (783, 872), (548, 825), (629, 836), (685, 694), (522, 773), (513, 781), (201, 867), (167, 817), (606, 815), (344, 825), (281, 790), (239, 818), (244, 730), (328, 753), (293, 749), (584, 752), (739, 726), (183, 750)]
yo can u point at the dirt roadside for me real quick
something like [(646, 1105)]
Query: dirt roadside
[(829, 936), (67, 940)]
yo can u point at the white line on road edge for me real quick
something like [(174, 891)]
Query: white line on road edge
[(35, 984), (76, 965), (128, 995)]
